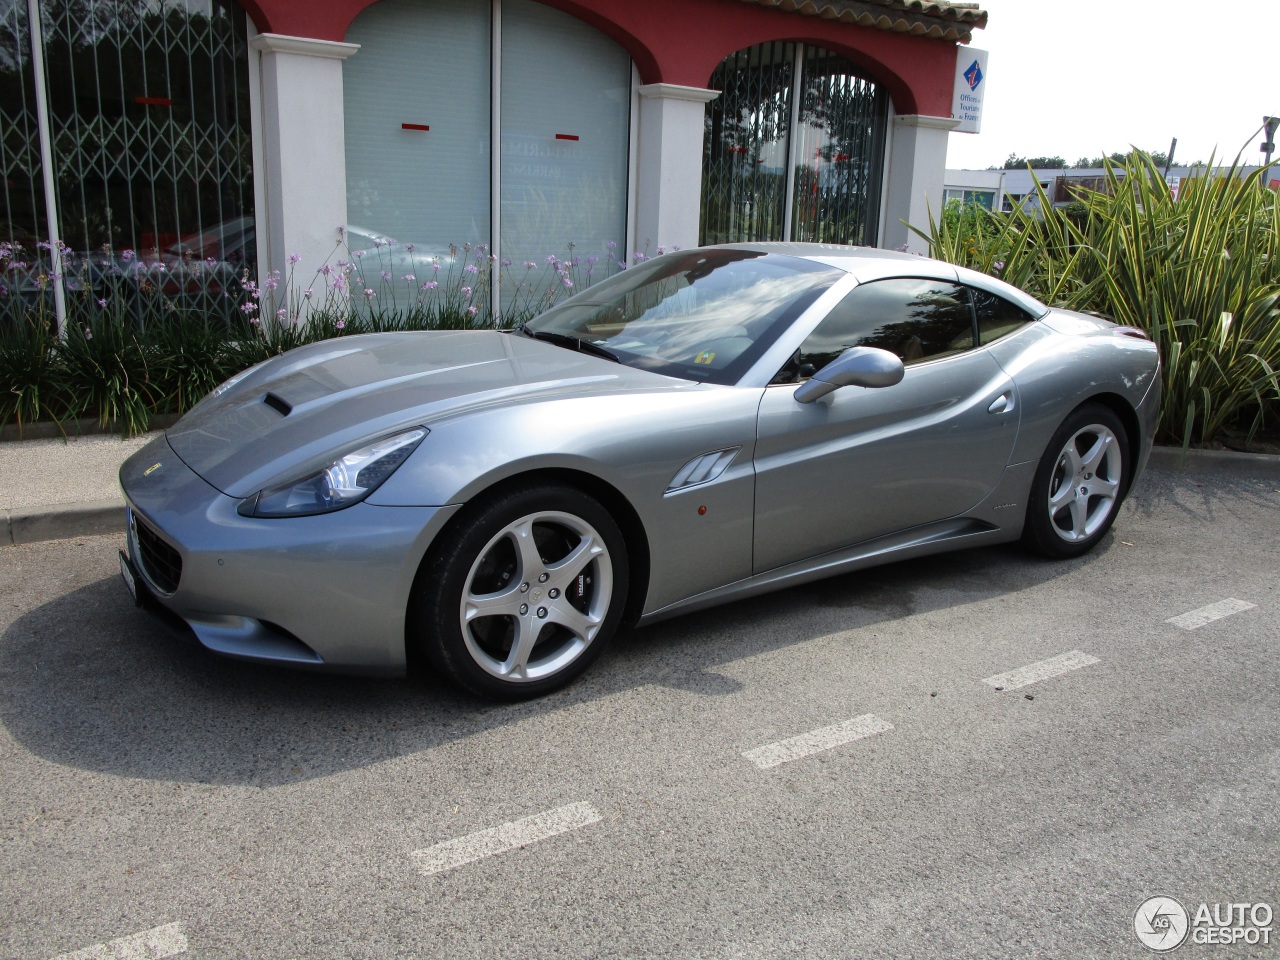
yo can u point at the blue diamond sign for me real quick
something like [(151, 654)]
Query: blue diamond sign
[(973, 76)]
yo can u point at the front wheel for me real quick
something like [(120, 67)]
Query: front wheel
[(523, 594), (1079, 485)]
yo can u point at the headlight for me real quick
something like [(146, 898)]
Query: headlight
[(345, 481)]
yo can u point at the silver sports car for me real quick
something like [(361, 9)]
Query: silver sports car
[(711, 424)]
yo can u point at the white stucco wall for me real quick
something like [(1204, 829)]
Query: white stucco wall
[(304, 169), (669, 165), (915, 169)]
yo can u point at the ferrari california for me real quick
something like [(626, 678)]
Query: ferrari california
[(711, 424)]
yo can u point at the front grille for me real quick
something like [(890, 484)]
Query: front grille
[(161, 563)]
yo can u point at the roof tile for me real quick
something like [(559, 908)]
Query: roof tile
[(938, 21)]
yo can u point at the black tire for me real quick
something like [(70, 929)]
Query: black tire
[(546, 568), (1079, 485)]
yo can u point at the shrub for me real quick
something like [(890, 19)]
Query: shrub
[(1200, 274)]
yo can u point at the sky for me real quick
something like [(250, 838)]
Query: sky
[(1076, 78)]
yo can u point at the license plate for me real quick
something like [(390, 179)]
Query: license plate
[(126, 574)]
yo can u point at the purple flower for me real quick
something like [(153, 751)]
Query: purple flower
[(506, 261), (281, 313), (295, 257), (592, 261), (385, 275), (368, 294), (552, 259), (568, 284), (358, 254), (465, 291), (102, 302), (307, 294), (248, 308), (529, 264), (326, 269), (470, 268), (611, 245), (622, 264), (410, 247), (471, 310), (340, 325), (998, 265), (661, 250), (410, 278), (88, 334), (430, 285)]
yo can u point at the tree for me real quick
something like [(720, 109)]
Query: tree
[(1015, 162)]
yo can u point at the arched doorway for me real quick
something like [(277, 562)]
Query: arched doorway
[(794, 148)]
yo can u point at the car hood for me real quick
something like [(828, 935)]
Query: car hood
[(307, 406)]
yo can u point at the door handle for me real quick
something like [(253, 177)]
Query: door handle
[(1002, 404)]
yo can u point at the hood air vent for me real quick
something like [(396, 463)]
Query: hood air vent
[(278, 403)]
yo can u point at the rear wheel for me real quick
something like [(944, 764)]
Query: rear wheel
[(524, 593), (1079, 485)]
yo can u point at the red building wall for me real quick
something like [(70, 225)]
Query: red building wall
[(683, 41)]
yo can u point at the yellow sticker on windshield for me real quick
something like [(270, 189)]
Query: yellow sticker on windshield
[(705, 357)]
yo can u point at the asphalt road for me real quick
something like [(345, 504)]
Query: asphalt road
[(826, 772)]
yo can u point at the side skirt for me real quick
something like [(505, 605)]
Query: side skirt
[(957, 534)]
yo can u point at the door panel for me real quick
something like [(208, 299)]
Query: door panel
[(865, 462)]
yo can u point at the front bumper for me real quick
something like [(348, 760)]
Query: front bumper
[(324, 591)]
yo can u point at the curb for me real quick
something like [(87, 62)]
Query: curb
[(67, 429), (65, 521), (1254, 466)]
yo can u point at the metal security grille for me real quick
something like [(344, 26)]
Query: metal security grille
[(794, 148), (150, 117), (149, 155), (839, 158), (744, 167), (23, 218)]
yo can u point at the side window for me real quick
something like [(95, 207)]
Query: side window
[(916, 319), (997, 316)]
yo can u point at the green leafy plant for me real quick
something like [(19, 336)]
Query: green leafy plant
[(108, 375), (1200, 273)]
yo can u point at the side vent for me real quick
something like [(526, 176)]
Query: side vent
[(702, 469), (279, 404)]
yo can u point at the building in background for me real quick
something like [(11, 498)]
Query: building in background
[(1006, 189), (240, 133)]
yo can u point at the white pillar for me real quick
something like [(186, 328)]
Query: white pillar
[(669, 166), (304, 154), (917, 166)]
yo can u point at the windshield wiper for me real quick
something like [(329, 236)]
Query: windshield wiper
[(567, 341)]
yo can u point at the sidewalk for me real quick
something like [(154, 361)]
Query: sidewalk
[(56, 489)]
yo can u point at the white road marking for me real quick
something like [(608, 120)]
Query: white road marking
[(815, 741), (166, 941), (509, 836), (1214, 611), (1043, 670)]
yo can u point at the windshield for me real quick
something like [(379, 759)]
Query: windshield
[(698, 314)]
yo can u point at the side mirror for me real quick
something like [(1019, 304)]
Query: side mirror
[(856, 367)]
